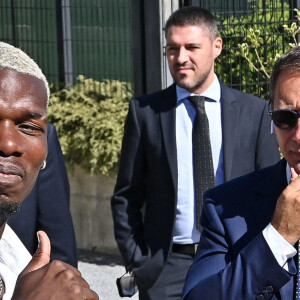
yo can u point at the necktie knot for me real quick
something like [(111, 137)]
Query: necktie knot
[(197, 101)]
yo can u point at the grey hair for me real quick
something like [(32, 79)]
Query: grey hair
[(290, 61), (15, 59)]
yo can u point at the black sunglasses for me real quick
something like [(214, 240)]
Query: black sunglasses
[(285, 118)]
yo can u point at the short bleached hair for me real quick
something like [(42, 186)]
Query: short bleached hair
[(15, 59)]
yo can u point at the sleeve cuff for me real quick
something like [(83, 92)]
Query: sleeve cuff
[(280, 247)]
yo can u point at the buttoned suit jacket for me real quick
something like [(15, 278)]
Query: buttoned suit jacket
[(145, 196), (47, 207), (233, 260)]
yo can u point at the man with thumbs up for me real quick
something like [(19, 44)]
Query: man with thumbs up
[(24, 95)]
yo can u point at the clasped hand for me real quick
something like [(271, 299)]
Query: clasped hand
[(286, 219)]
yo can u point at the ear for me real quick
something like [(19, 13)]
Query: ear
[(217, 46)]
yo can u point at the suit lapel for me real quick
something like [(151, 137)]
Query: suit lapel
[(168, 121), (267, 192), (230, 114)]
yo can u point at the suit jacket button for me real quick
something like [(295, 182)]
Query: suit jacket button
[(269, 289), (265, 293), (259, 297)]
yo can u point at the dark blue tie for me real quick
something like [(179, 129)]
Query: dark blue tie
[(204, 178)]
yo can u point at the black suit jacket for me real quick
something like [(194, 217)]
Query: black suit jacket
[(233, 260), (145, 197), (47, 208)]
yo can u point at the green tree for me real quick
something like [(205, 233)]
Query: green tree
[(252, 42)]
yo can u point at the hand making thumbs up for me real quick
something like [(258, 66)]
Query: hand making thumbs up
[(42, 279)]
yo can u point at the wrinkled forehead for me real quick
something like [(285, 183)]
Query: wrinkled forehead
[(285, 76), (287, 90)]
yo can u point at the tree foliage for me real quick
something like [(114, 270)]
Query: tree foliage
[(252, 43), (89, 118)]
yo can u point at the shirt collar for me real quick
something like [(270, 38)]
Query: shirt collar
[(213, 92), (288, 173)]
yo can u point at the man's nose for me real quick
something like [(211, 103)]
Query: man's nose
[(10, 144), (182, 55)]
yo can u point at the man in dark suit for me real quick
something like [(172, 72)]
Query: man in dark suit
[(251, 225), (47, 207), (153, 203)]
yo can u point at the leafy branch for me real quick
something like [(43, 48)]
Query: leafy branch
[(255, 41), (293, 30)]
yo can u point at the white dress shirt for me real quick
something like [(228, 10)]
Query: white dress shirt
[(280, 247), (185, 231), (14, 257)]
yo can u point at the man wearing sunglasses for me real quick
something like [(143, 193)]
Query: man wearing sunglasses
[(251, 225)]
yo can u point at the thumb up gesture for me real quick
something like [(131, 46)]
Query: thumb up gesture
[(55, 280)]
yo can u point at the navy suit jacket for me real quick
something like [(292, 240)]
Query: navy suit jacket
[(233, 260), (145, 197), (47, 208)]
